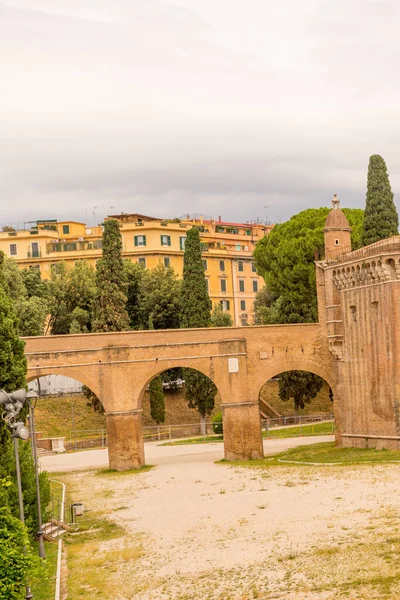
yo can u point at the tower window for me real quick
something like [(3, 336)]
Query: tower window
[(336, 242)]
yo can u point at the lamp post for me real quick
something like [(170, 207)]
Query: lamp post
[(31, 395), (13, 403)]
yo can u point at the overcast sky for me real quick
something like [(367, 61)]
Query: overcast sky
[(215, 107)]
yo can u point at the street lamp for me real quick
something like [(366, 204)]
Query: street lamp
[(30, 396), (13, 403)]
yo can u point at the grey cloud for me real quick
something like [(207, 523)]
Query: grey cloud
[(170, 107)]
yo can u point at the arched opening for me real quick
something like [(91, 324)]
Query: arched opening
[(297, 397), (179, 403), (68, 414)]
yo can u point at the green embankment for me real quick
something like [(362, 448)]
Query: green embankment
[(325, 453), (284, 432)]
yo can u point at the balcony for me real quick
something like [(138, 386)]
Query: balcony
[(74, 246), (35, 254)]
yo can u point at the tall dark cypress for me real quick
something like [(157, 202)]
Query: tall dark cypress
[(195, 303), (195, 311), (380, 218), (110, 312)]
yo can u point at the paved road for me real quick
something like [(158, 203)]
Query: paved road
[(163, 455)]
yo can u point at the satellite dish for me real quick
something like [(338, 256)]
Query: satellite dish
[(88, 231)]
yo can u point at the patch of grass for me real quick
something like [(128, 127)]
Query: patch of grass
[(325, 453), (300, 430), (57, 416), (46, 587), (208, 439), (92, 564), (114, 473)]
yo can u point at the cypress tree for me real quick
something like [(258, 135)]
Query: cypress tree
[(380, 218), (12, 357), (110, 313), (156, 393), (13, 377), (195, 303), (157, 404), (195, 311)]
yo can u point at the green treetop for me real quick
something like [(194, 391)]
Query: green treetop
[(12, 357), (195, 303), (286, 261), (110, 312), (380, 218), (220, 317), (158, 298)]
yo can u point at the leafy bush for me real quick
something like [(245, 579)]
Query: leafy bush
[(217, 423), (17, 561)]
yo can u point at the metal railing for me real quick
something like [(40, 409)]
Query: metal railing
[(80, 439), (298, 422), (97, 438), (60, 515)]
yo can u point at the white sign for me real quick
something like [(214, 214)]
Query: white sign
[(233, 365)]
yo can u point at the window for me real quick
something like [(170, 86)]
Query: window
[(140, 240), (243, 305), (207, 285), (255, 286), (167, 261), (182, 242), (223, 285), (13, 249), (238, 247), (165, 240), (65, 228), (253, 267), (222, 265), (35, 250), (241, 285), (142, 261), (225, 304), (240, 265), (336, 242), (205, 265)]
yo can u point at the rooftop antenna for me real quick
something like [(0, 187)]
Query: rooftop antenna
[(266, 216), (94, 213)]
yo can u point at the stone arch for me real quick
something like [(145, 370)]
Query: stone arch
[(204, 366), (90, 382), (308, 367), (296, 364)]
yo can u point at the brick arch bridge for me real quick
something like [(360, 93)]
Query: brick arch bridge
[(119, 366), (355, 347)]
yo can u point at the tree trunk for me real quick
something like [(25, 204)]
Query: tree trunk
[(202, 424)]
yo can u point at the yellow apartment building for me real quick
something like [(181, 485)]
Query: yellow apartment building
[(227, 251)]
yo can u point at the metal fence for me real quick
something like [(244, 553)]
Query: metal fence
[(97, 438), (80, 439), (297, 423)]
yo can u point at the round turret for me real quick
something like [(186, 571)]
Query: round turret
[(336, 232)]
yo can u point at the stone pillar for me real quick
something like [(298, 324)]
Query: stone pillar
[(125, 440), (242, 431)]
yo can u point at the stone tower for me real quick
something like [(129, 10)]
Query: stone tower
[(336, 232)]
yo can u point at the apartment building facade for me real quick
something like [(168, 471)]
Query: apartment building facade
[(227, 250)]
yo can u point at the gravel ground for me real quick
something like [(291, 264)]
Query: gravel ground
[(222, 532)]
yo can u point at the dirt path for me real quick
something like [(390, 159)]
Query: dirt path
[(220, 532), (157, 454)]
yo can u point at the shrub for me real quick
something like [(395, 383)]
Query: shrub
[(217, 423), (17, 560)]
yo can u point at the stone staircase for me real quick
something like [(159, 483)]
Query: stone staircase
[(54, 529), (267, 411)]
